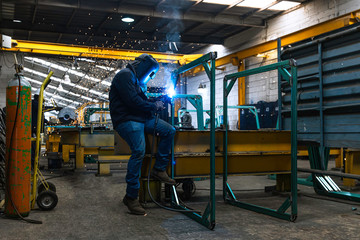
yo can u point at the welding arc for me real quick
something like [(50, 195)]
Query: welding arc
[(148, 178), (10, 149)]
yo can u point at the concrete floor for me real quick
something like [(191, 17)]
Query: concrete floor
[(91, 208)]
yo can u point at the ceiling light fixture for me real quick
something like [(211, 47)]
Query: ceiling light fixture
[(127, 19), (17, 21), (222, 2), (284, 5), (255, 3)]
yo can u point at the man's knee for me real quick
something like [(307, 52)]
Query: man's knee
[(172, 131), (138, 153)]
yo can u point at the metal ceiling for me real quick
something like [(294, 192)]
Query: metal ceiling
[(177, 26), (190, 24)]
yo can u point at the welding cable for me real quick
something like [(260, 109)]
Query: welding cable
[(8, 169), (148, 178)]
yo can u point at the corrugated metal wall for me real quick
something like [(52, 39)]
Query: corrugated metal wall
[(328, 88)]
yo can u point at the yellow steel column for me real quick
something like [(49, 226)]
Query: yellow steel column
[(79, 157), (352, 166), (241, 86)]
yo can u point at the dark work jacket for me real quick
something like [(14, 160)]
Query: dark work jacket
[(127, 101)]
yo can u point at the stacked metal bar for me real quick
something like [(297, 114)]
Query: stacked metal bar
[(328, 88)]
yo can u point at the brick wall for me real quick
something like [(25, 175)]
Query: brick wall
[(7, 72)]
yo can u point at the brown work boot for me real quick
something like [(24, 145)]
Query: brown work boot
[(162, 176), (134, 206)]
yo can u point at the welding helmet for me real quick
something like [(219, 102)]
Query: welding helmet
[(145, 67)]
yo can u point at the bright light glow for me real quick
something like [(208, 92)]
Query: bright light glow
[(127, 19), (89, 99), (284, 5), (53, 78), (105, 68), (106, 83), (17, 21), (68, 70), (222, 2), (64, 69), (65, 91), (255, 3), (86, 60), (201, 90), (170, 92)]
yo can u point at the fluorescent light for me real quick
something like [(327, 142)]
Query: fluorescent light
[(17, 21), (86, 60), (106, 83), (127, 19), (89, 99), (255, 3), (66, 83), (284, 5), (222, 2), (105, 68), (64, 69)]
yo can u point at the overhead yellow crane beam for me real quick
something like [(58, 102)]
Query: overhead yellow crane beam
[(95, 52)]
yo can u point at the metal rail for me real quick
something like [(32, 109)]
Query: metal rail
[(330, 173)]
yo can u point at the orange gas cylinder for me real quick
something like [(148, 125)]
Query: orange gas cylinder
[(18, 147)]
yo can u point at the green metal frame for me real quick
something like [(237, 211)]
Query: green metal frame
[(207, 218), (252, 109), (228, 195), (195, 100)]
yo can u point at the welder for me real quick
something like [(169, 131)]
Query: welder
[(132, 115)]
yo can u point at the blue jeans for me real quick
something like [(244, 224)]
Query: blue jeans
[(134, 134)]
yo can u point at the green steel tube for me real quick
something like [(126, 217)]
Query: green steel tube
[(172, 146), (172, 141), (225, 139), (258, 209), (212, 142), (294, 142), (279, 121), (197, 62), (287, 63), (321, 103)]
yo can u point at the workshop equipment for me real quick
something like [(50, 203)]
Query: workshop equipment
[(66, 116), (18, 147)]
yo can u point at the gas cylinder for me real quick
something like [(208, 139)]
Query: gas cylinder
[(18, 147)]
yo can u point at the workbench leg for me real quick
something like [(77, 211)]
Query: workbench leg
[(283, 182), (339, 159), (79, 157)]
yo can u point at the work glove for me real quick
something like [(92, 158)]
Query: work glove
[(159, 105)]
